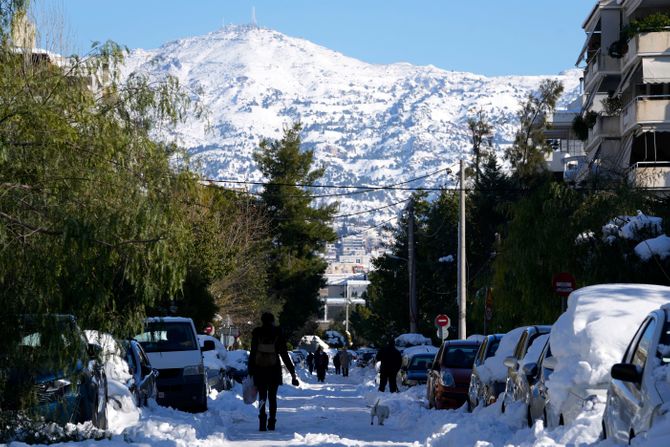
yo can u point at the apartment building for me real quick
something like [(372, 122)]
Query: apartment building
[(626, 101)]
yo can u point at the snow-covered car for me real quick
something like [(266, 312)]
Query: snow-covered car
[(366, 356), (237, 364), (64, 370), (489, 346), (311, 342), (416, 362), (172, 347), (528, 350), (639, 392), (214, 357), (405, 341), (449, 376), (590, 337), (491, 375), (539, 393), (142, 384)]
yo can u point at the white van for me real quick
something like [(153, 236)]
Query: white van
[(172, 346)]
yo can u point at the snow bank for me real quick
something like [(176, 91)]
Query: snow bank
[(334, 338), (659, 246), (238, 359), (594, 332), (493, 368), (407, 340)]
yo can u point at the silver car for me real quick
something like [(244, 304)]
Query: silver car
[(517, 385), (636, 395), (480, 391)]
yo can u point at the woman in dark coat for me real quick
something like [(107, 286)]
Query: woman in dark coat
[(267, 345), (321, 364)]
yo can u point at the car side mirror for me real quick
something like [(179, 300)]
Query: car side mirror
[(550, 363), (511, 362), (94, 351), (530, 369), (208, 346), (626, 372)]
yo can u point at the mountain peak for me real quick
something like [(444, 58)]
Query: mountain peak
[(368, 124)]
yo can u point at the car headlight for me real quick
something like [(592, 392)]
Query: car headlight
[(448, 379), (194, 370)]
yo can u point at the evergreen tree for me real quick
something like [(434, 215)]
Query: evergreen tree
[(481, 136), (526, 155), (299, 230)]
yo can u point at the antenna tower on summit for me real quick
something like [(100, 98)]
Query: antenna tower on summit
[(253, 17)]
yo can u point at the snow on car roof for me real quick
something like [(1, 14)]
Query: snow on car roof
[(594, 332), (412, 340), (423, 349), (493, 369), (168, 320)]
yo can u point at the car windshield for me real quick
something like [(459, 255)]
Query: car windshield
[(459, 356), (421, 362), (50, 342), (161, 336), (493, 347)]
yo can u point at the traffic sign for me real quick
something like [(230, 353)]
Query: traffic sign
[(564, 283), (442, 321)]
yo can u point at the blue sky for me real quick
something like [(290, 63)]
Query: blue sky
[(491, 37)]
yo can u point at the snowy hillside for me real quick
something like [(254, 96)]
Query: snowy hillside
[(368, 124)]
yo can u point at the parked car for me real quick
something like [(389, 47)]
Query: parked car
[(142, 384), (238, 365), (365, 357), (639, 391), (172, 346), (404, 341), (449, 376), (215, 362), (517, 384), (538, 397), (63, 370), (414, 369), (476, 391)]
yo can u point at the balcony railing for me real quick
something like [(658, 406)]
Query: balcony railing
[(600, 64), (645, 110), (646, 44), (650, 174)]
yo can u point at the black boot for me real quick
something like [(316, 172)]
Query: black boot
[(262, 419), (271, 423)]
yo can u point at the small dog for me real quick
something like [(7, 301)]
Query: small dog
[(381, 411)]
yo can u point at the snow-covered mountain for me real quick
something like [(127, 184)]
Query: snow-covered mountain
[(368, 124)]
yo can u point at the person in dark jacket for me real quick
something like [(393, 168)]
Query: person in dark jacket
[(267, 345), (310, 363), (391, 361), (320, 364), (336, 362)]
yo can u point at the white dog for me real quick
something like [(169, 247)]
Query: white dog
[(381, 411)]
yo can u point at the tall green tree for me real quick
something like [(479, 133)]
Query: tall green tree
[(481, 137), (526, 155), (299, 230)]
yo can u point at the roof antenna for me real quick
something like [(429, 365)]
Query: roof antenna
[(253, 17)]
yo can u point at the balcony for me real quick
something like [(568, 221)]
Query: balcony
[(606, 127), (645, 110), (646, 44), (599, 66), (650, 175)]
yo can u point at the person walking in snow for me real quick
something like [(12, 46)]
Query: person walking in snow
[(345, 361), (320, 364), (310, 363), (336, 362), (267, 345), (391, 361)]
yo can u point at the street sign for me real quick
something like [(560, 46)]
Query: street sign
[(442, 333), (442, 321), (564, 283)]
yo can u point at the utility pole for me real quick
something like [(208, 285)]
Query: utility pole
[(462, 276), (346, 321), (411, 267)]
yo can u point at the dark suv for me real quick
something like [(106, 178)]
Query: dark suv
[(56, 374), (449, 375)]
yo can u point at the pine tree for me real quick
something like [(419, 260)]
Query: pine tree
[(299, 230), (481, 136)]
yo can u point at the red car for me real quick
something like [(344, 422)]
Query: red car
[(449, 375)]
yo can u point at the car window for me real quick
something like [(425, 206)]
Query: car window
[(459, 356), (663, 351), (167, 336), (420, 363), (479, 358), (493, 347), (642, 350), (633, 343)]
